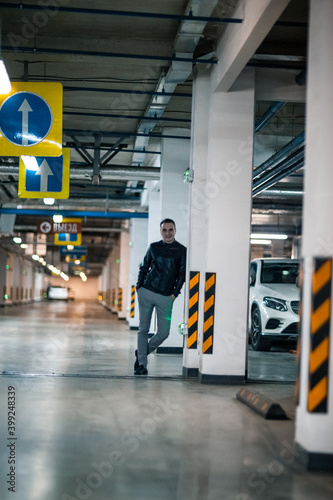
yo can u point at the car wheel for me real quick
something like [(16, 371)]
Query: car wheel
[(258, 342)]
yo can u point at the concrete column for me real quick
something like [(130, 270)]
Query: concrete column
[(197, 218), (114, 261), (4, 292), (138, 247), (123, 274), (174, 204), (227, 237), (314, 417)]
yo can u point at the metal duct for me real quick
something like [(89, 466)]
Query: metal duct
[(107, 173)]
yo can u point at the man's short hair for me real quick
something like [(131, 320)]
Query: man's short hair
[(168, 221)]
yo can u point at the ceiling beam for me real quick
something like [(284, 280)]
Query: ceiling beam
[(239, 42)]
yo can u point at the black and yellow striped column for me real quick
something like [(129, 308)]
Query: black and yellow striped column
[(193, 310), (208, 327), (120, 299), (132, 312), (320, 335)]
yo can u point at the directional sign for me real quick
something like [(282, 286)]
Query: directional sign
[(72, 227), (41, 177), (31, 120), (76, 253), (67, 239)]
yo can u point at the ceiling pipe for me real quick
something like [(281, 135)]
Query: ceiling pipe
[(75, 213), (130, 117), (276, 179), (281, 155), (162, 93), (122, 13), (281, 167), (270, 113), (119, 55), (90, 133), (108, 172)]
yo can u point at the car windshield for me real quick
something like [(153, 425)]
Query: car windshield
[(279, 272)]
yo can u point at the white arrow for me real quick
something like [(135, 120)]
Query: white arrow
[(25, 108), (44, 171)]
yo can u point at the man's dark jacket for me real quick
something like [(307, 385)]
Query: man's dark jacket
[(163, 268)]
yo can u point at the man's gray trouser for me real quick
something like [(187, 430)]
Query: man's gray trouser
[(163, 304)]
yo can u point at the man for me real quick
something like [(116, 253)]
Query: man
[(161, 277)]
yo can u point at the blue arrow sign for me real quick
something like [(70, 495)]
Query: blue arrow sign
[(76, 253), (44, 174), (25, 119)]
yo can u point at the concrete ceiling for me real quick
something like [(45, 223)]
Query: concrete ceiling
[(114, 61)]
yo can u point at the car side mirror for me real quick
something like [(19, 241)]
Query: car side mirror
[(252, 281)]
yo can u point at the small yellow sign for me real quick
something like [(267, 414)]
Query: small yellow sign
[(66, 238), (44, 177), (31, 119)]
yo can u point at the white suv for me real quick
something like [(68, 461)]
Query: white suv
[(274, 302)]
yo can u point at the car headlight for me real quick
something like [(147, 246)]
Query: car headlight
[(278, 304)]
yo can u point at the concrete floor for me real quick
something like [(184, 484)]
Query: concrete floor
[(86, 428)]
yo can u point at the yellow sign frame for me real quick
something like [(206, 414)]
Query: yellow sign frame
[(63, 194), (51, 145)]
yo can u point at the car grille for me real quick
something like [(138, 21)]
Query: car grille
[(294, 304)]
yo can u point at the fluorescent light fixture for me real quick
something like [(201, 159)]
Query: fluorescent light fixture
[(83, 276), (48, 201), (17, 239), (261, 242), (5, 85), (57, 218), (269, 236)]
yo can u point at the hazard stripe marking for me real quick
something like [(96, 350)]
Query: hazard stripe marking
[(320, 335), (193, 303), (132, 312), (209, 306)]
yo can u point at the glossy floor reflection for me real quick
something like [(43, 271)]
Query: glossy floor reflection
[(87, 429)]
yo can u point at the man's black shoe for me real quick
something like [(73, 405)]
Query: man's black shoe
[(136, 364), (142, 370)]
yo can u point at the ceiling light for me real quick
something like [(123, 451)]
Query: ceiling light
[(57, 218), (17, 239), (269, 236), (77, 262), (70, 247), (48, 201), (35, 256), (5, 85), (24, 245), (261, 242)]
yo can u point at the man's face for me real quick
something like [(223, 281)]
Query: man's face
[(168, 232)]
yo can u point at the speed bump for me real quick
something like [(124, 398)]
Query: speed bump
[(261, 404)]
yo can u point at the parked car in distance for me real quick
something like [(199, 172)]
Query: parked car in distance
[(273, 302), (57, 293)]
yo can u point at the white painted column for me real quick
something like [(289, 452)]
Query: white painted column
[(228, 219), (123, 274), (138, 247), (174, 204), (197, 219), (114, 260), (314, 417), (4, 291)]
